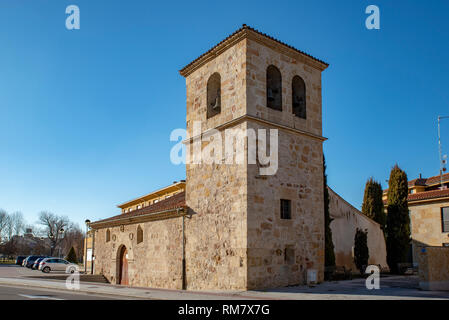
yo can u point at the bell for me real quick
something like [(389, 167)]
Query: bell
[(216, 104), (298, 102), (270, 94)]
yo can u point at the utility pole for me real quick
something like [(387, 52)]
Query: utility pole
[(442, 162)]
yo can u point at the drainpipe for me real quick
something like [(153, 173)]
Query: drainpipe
[(93, 252), (85, 256), (183, 255), (87, 222)]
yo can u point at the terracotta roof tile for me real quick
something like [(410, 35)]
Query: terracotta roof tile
[(428, 195), (174, 202), (428, 181), (245, 27)]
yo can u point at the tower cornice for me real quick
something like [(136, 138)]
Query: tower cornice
[(246, 32)]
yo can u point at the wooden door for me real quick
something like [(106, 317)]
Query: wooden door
[(124, 267)]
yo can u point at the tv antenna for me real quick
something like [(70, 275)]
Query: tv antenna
[(443, 158)]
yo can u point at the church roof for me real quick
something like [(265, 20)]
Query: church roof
[(163, 209), (175, 186), (241, 33)]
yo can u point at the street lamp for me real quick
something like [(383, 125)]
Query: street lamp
[(87, 222), (61, 232)]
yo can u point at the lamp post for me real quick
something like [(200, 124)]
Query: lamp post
[(61, 232), (442, 162), (87, 222)]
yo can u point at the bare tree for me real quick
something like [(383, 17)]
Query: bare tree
[(17, 222), (74, 238), (4, 217), (54, 226)]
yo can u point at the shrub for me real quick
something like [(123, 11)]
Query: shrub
[(71, 257), (361, 251)]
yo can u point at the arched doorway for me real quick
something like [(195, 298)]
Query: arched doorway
[(123, 267)]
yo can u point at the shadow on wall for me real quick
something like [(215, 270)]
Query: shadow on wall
[(346, 220)]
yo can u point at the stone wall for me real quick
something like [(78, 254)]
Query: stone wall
[(231, 65), (346, 220), (299, 177), (259, 57), (426, 227), (434, 268), (155, 262), (216, 255), (236, 239), (217, 193)]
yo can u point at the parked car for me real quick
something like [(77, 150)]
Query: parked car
[(24, 263), (35, 265), (57, 264), (19, 260), (30, 260)]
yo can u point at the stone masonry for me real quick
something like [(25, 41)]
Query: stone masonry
[(236, 239), (234, 236)]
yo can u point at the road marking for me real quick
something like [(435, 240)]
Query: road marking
[(39, 297)]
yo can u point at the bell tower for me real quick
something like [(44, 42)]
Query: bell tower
[(249, 230)]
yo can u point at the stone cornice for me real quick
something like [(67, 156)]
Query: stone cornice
[(249, 33), (287, 50), (417, 202), (243, 118), (126, 220)]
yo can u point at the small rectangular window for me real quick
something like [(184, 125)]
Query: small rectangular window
[(445, 219), (286, 209)]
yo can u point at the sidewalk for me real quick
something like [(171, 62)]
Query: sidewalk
[(392, 288)]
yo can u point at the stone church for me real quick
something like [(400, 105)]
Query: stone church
[(226, 226)]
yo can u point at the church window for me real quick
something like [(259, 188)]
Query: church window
[(274, 88), (213, 95), (139, 235), (299, 97), (286, 209)]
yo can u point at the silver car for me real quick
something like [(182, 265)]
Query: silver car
[(57, 264)]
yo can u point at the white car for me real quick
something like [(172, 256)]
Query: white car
[(57, 264)]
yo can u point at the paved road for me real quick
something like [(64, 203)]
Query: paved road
[(392, 288), (21, 293)]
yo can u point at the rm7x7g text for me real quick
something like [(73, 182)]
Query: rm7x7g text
[(245, 309)]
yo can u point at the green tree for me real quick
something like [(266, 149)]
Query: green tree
[(373, 206), (398, 220), (71, 257), (329, 255), (361, 251)]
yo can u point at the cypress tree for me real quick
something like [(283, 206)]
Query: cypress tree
[(373, 206), (398, 220), (71, 257), (329, 255), (361, 251)]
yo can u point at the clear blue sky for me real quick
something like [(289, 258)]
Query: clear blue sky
[(85, 115)]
